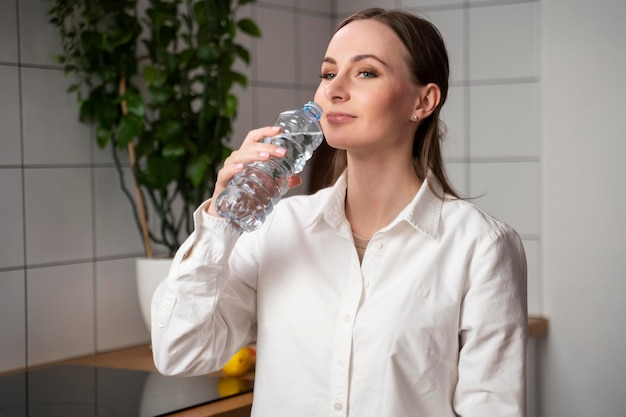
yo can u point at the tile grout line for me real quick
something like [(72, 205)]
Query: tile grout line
[(23, 176)]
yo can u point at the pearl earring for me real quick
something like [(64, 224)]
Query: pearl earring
[(414, 118)]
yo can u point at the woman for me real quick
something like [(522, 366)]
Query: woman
[(382, 295)]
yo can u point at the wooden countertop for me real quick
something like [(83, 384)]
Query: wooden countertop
[(537, 326)]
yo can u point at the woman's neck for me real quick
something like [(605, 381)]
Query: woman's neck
[(376, 194)]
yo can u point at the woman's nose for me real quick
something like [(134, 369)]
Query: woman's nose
[(336, 90)]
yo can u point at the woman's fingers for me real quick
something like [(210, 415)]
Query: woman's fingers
[(251, 150), (295, 181)]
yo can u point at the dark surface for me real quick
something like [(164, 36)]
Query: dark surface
[(85, 391)]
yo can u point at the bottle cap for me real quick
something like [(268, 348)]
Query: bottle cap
[(313, 109)]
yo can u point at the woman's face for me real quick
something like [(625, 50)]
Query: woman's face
[(366, 92)]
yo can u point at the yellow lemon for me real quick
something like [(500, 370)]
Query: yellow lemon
[(231, 386), (240, 363)]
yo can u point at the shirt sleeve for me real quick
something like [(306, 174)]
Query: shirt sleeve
[(493, 330), (200, 314)]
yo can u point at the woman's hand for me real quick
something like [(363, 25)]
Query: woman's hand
[(251, 150)]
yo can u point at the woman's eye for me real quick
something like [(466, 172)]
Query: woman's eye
[(366, 74), (328, 76)]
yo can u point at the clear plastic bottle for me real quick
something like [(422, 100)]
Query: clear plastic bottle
[(251, 194)]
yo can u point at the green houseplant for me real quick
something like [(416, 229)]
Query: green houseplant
[(156, 81)]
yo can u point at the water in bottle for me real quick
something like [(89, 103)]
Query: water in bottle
[(251, 194)]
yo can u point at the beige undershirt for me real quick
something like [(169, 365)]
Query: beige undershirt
[(361, 245)]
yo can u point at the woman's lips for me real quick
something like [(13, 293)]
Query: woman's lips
[(336, 117)]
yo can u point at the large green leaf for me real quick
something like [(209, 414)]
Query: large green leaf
[(135, 106), (86, 111), (103, 136), (160, 171), (106, 110), (248, 26), (168, 130), (230, 106), (242, 53), (238, 78), (208, 54), (130, 127), (160, 94), (119, 38), (173, 150), (197, 169), (150, 75)]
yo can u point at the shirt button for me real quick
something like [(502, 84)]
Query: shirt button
[(338, 406), (366, 284), (379, 246)]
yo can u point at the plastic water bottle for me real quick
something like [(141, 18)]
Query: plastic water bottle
[(251, 194)]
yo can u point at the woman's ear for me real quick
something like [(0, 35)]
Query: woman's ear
[(427, 101)]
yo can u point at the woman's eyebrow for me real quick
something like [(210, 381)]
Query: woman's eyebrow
[(356, 58)]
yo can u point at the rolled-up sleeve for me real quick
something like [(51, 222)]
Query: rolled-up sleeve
[(200, 314), (493, 330)]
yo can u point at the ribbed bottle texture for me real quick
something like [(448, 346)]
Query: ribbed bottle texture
[(251, 194)]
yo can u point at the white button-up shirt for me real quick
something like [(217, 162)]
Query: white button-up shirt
[(432, 323)]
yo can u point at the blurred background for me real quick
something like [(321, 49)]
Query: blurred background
[(535, 127)]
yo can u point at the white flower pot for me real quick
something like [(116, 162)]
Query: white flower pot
[(150, 272)]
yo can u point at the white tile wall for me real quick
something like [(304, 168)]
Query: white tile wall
[(118, 318), (244, 121), (274, 101), (430, 3), (313, 35), (60, 304), (504, 41), (10, 146), (39, 41), (505, 120), (52, 134), (453, 114), (349, 6), (284, 3), (306, 95), (457, 175), (11, 219), (451, 24), (8, 31), (275, 52), (59, 216), (533, 259), (246, 41), (323, 6), (12, 320), (510, 192), (115, 229)]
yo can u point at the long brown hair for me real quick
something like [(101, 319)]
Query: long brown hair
[(428, 63)]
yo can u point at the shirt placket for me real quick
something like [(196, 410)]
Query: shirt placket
[(342, 349)]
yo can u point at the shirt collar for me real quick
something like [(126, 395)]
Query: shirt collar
[(332, 207), (423, 212)]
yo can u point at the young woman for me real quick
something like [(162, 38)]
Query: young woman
[(382, 295)]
